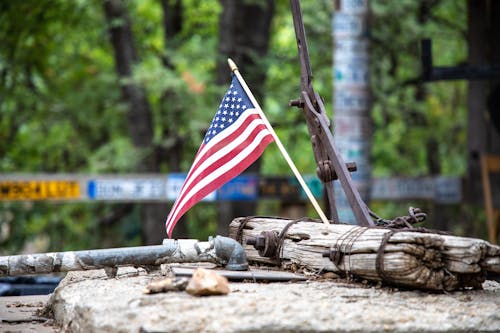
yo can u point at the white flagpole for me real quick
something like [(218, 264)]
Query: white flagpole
[(296, 172)]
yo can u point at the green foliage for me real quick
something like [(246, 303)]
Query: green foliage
[(61, 108), (283, 82), (408, 115)]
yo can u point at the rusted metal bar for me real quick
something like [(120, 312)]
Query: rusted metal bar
[(253, 275), (330, 164), (460, 72), (219, 250)]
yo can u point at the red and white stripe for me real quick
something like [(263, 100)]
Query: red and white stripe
[(224, 157)]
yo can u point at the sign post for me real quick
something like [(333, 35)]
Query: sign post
[(353, 128)]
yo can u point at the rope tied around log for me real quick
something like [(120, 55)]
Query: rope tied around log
[(245, 220), (282, 235), (410, 257), (269, 243), (379, 260), (343, 246)]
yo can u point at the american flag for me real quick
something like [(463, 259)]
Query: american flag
[(236, 137)]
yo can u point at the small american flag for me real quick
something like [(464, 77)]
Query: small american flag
[(236, 137)]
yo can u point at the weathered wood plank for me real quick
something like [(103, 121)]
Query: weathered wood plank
[(410, 258)]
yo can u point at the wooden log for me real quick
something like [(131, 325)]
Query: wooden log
[(414, 259)]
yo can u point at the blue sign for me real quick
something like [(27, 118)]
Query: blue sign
[(243, 187), (313, 183)]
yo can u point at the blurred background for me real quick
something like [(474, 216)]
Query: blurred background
[(121, 87)]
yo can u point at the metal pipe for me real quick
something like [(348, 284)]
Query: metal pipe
[(231, 252), (219, 250)]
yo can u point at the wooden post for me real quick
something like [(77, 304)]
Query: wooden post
[(489, 164), (407, 258)]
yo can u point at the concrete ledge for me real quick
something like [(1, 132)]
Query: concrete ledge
[(22, 314), (91, 302)]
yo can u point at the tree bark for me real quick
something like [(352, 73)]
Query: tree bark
[(139, 116), (244, 33), (439, 213), (172, 26), (172, 19)]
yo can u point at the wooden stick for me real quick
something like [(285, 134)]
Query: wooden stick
[(295, 171)]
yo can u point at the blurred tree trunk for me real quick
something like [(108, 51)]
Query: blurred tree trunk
[(139, 118), (244, 33), (483, 40), (139, 114), (439, 214), (172, 26)]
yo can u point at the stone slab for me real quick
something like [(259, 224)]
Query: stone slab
[(91, 302)]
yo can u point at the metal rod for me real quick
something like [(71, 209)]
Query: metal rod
[(219, 250), (300, 35), (447, 73)]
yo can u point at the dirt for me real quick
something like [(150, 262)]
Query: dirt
[(22, 314)]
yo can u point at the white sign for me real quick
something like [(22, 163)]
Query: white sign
[(352, 126), (354, 6), (347, 49), (351, 100), (448, 189), (127, 189), (441, 189), (346, 25), (353, 74)]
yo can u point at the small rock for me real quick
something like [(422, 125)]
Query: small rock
[(207, 282), (165, 285)]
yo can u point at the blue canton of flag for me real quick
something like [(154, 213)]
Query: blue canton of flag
[(233, 104)]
